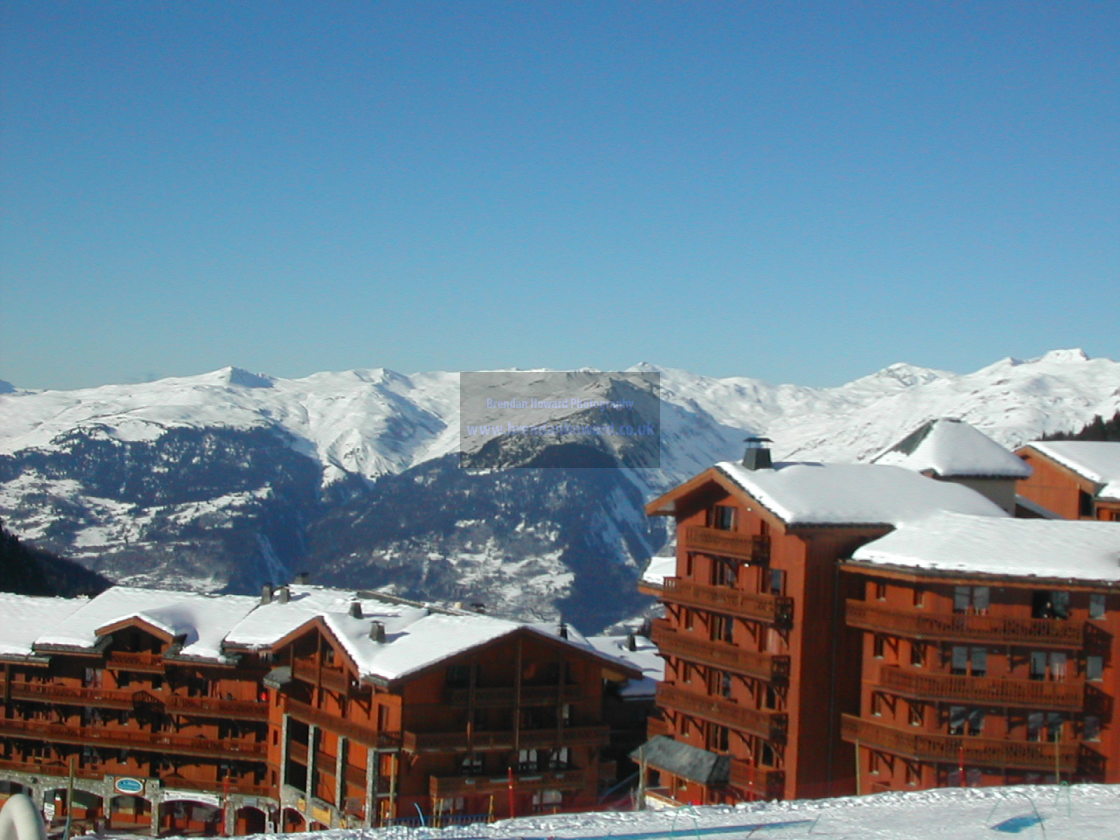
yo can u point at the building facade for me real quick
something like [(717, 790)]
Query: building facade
[(307, 708), (1073, 479)]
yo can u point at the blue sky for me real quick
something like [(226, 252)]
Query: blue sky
[(800, 192)]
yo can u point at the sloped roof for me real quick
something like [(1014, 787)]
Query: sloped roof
[(853, 494), (952, 448), (684, 760), (1043, 548), (1097, 461), (25, 616)]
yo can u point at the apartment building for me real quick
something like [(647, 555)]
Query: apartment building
[(306, 708), (1073, 479)]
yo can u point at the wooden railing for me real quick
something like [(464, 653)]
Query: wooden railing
[(766, 724), (217, 788), (505, 740), (297, 752), (994, 691), (444, 786), (765, 666), (163, 742), (328, 676), (124, 699), (959, 749), (363, 734), (916, 624), (773, 609), (727, 543), (761, 781), (122, 660), (105, 698), (531, 695)]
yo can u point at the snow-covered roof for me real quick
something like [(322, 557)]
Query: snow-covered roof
[(658, 569), (25, 616), (1095, 460), (644, 657), (1064, 549), (949, 448), (853, 494), (202, 620), (214, 626)]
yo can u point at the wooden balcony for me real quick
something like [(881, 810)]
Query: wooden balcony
[(764, 666), (988, 691), (959, 749), (108, 698), (504, 696), (523, 782), (133, 739), (764, 782), (102, 698), (363, 734), (772, 609), (327, 676), (120, 660), (763, 723), (505, 740), (755, 549), (297, 752), (215, 707), (962, 627)]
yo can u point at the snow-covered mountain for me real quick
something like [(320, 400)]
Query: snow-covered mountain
[(230, 479)]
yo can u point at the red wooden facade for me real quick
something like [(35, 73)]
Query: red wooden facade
[(1063, 490), (297, 735)]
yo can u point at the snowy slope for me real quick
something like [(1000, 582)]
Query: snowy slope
[(230, 479), (1077, 812)]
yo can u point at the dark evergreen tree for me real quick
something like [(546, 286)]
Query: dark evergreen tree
[(1097, 429), (31, 571)]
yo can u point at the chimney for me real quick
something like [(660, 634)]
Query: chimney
[(377, 632), (303, 578), (757, 454), (266, 594), (355, 609), (283, 594), (563, 630), (631, 642)]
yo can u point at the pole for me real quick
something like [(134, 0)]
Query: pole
[(859, 780), (512, 801), (69, 801)]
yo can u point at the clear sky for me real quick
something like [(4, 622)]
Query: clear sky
[(801, 192)]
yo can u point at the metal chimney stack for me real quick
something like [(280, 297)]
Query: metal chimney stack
[(757, 454)]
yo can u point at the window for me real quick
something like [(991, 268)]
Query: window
[(919, 596), (963, 720), (913, 774), (880, 591), (1038, 665), (527, 759), (722, 629), (973, 599), (1050, 604), (917, 654), (874, 763), (1084, 504), (777, 582), (877, 646), (724, 572), (979, 661), (916, 716), (877, 704), (1094, 667), (723, 517), (1096, 605), (1044, 726), (458, 676), (1091, 728), (718, 737)]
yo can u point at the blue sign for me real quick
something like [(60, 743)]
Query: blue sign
[(126, 784)]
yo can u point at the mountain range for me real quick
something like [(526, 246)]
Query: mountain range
[(229, 480)]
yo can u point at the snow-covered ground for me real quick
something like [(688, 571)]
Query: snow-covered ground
[(1078, 812)]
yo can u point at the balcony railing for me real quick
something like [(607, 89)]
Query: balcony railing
[(108, 698), (505, 739), (993, 691), (959, 749), (132, 739), (531, 695), (727, 543), (104, 698), (761, 781), (217, 788), (761, 722), (963, 627), (122, 660), (765, 666), (328, 676), (366, 735), (774, 609), (482, 785)]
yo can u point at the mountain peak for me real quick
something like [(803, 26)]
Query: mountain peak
[(244, 379), (1072, 354)]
